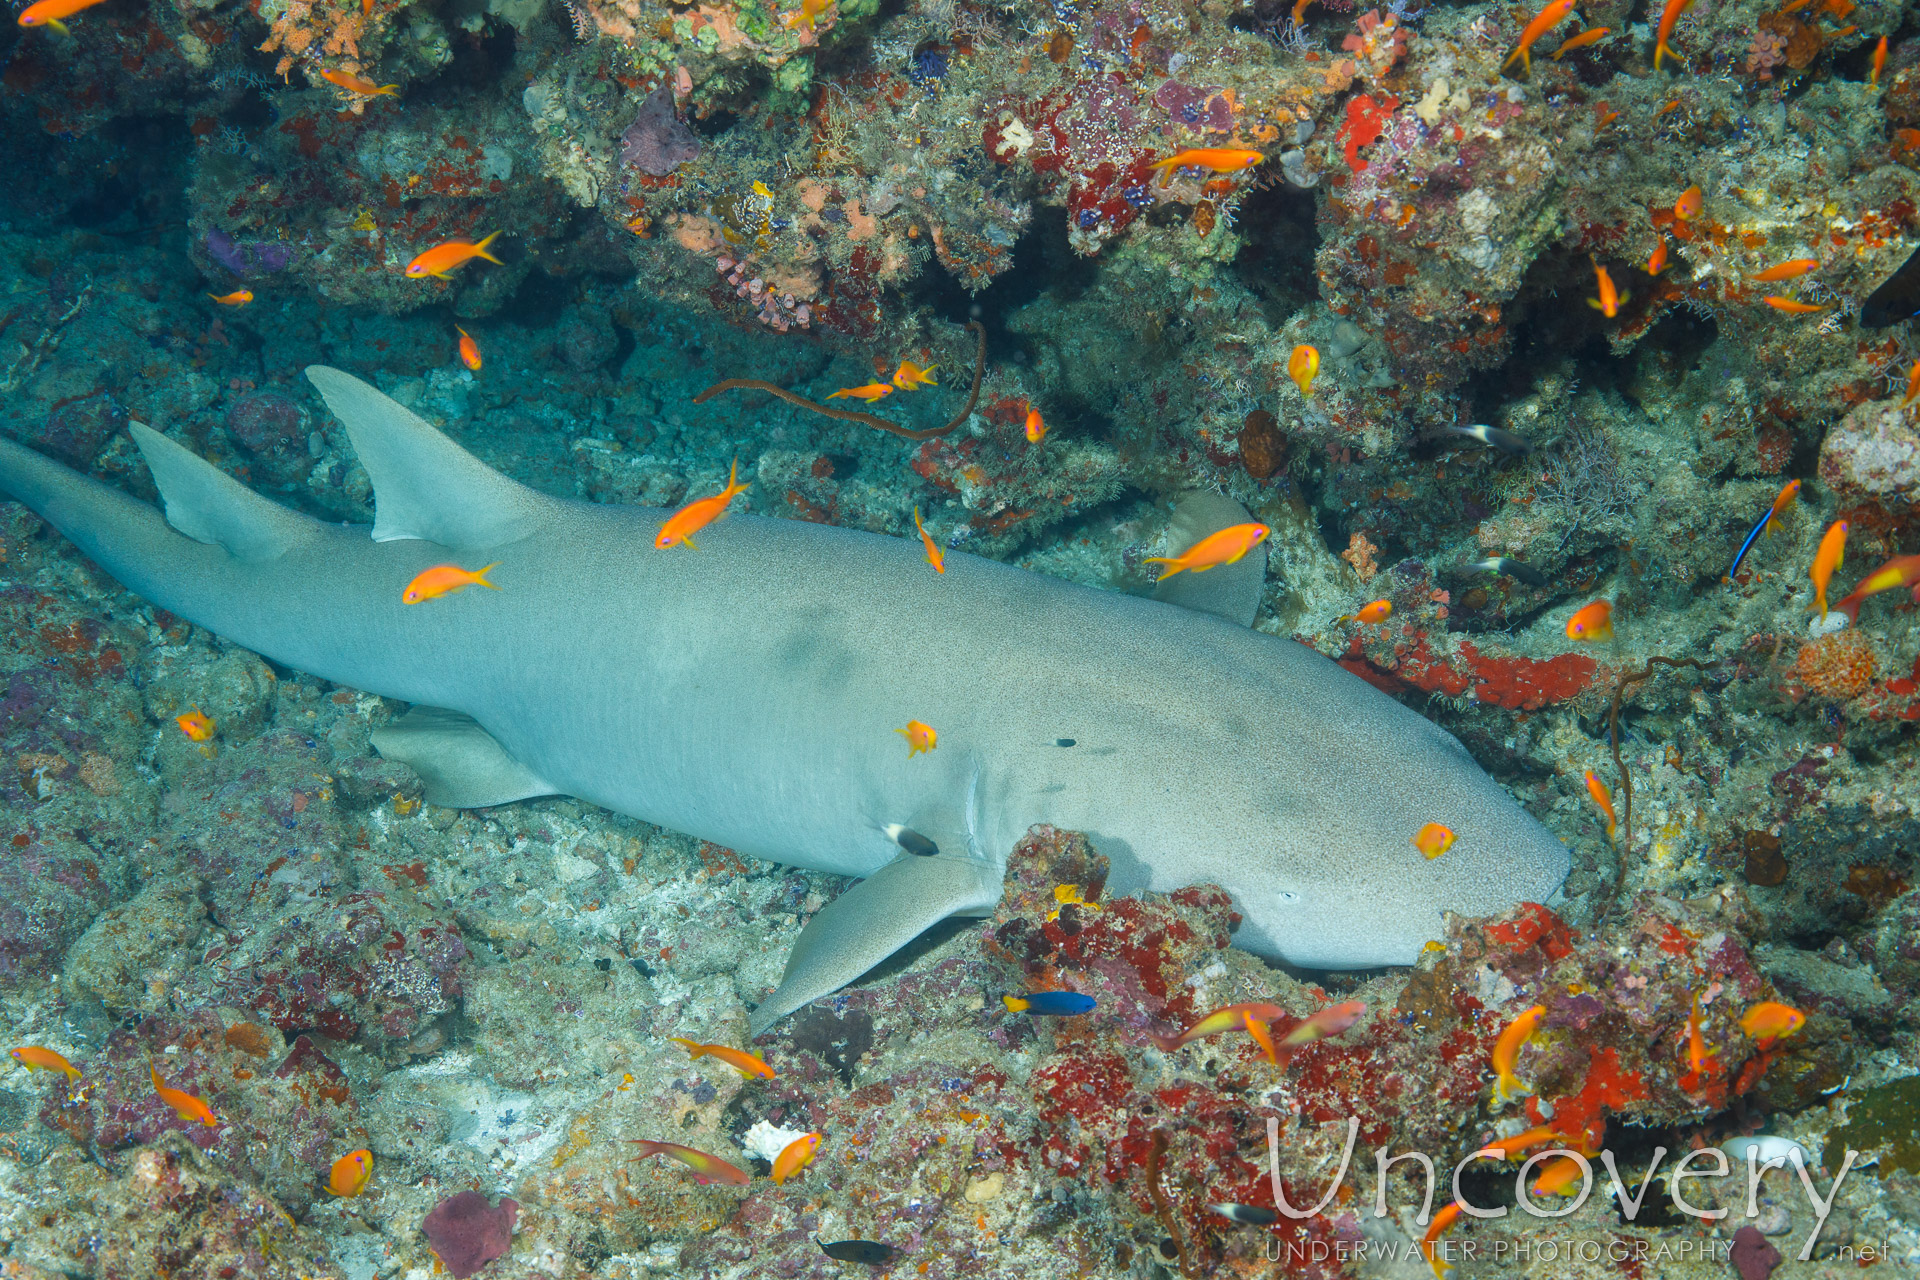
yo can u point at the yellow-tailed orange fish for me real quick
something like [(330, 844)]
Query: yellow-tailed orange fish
[(1216, 159), (1330, 1021), (1593, 624), (1782, 500), (1441, 1222), (920, 737), (795, 1156), (1507, 1048), (48, 13), (469, 349), (1658, 261), (1770, 1020), (1831, 555), (1692, 201), (445, 580), (350, 1173), (195, 725), (1557, 1177), (35, 1058), (1698, 1059), (1433, 840), (871, 392), (1303, 366), (1913, 385), (935, 556), (238, 298), (1603, 800), (1037, 428), (1556, 12), (442, 259), (911, 377), (1788, 270), (809, 11), (1879, 63), (697, 515), (1592, 35), (745, 1063), (1521, 1143), (1792, 306), (356, 84), (705, 1168), (1901, 571), (1232, 1018), (1608, 303), (1377, 611), (1668, 16), (1224, 547), (184, 1104)]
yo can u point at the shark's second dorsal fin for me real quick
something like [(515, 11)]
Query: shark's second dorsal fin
[(210, 506), (425, 485), (1230, 591), (460, 763)]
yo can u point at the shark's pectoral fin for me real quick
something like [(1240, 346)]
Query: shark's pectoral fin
[(462, 765), (1230, 591), (210, 506), (872, 920)]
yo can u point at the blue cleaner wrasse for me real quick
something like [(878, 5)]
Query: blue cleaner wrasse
[(1781, 502), (1050, 1004)]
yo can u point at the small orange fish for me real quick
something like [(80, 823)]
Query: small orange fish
[(1300, 11), (935, 556), (1592, 35), (1901, 571), (1692, 201), (795, 1156), (1669, 16), (810, 10), (1879, 63), (355, 84), (1831, 555), (1215, 159), (1378, 611), (1792, 306), (695, 516), (184, 1104), (469, 349), (1224, 547), (1592, 624), (1441, 1222), (1608, 303), (1330, 1021), (705, 1168), (911, 377), (1559, 1176), (35, 1058), (1603, 800), (1433, 840), (1781, 501), (445, 580), (1234, 1017), (1913, 386), (920, 737), (1521, 1143), (1698, 1059), (1303, 366), (1788, 270), (745, 1063), (1658, 262), (238, 298), (48, 13), (1507, 1048), (871, 392), (442, 259), (1770, 1020), (1037, 428), (195, 725), (1555, 13), (350, 1174), (1262, 1036)]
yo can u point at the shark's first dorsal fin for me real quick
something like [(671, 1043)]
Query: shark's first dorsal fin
[(210, 506), (1230, 591), (425, 485)]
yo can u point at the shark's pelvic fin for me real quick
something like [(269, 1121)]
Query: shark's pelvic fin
[(1230, 591), (425, 485), (463, 767), (210, 506), (874, 919)]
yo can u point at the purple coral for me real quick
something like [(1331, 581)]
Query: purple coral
[(1208, 108), (1752, 1254), (249, 258), (468, 1231), (658, 141)]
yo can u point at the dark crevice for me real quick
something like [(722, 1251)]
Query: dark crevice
[(1276, 261)]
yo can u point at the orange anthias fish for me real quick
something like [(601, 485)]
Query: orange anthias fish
[(1791, 269), (184, 1104), (1692, 201), (1603, 798), (920, 737), (1556, 12), (745, 1063), (1216, 159), (1377, 611), (1668, 17), (1037, 427), (238, 298), (355, 84), (350, 1174), (1440, 1223), (1303, 366), (1831, 555), (1330, 1021), (695, 516), (1608, 303), (1592, 35), (1521, 1143), (195, 725), (1699, 1061), (795, 1156), (1593, 624), (871, 392), (911, 377), (1879, 63), (1658, 261), (1901, 571), (1262, 1036), (810, 10), (1913, 385), (469, 349), (1558, 1177), (35, 1058), (1507, 1048), (705, 1168), (1770, 1020), (48, 13), (442, 259), (1433, 840), (935, 556), (1792, 306), (445, 580), (1235, 1017), (1224, 547)]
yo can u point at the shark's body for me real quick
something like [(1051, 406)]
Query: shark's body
[(748, 693)]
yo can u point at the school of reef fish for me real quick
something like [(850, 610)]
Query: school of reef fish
[(1559, 356)]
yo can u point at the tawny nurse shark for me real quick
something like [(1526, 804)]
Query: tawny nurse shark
[(748, 693)]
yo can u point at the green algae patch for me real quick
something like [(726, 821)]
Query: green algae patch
[(1883, 1123)]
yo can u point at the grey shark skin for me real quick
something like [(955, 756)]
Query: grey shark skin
[(749, 693)]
